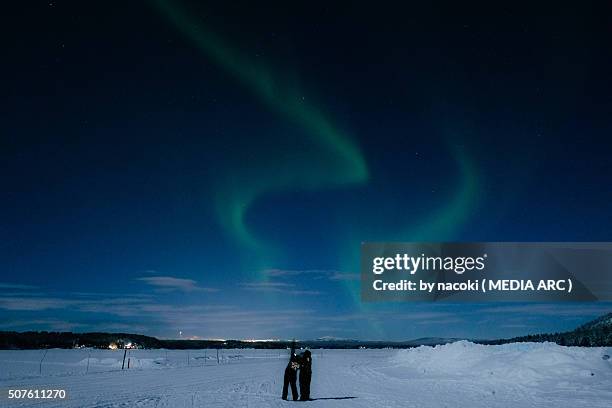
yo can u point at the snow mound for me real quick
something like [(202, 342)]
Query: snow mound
[(516, 362)]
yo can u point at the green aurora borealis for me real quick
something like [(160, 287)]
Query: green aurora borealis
[(334, 159)]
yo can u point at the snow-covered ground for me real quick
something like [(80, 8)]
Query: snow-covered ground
[(461, 374)]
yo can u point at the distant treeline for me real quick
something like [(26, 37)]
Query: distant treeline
[(43, 339), (65, 340), (595, 333)]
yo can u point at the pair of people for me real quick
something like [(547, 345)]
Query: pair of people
[(303, 363)]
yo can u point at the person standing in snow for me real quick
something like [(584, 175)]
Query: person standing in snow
[(305, 375), (291, 375)]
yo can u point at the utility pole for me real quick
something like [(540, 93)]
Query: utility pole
[(124, 354), (41, 361)]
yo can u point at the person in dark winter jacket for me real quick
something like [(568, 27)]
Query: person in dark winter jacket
[(305, 375), (291, 376)]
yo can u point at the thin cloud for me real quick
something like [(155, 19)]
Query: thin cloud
[(16, 286), (551, 310), (278, 287), (429, 317), (294, 272), (46, 324), (330, 274), (344, 276), (33, 303), (170, 283)]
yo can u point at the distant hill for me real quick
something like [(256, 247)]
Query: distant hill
[(597, 332), (601, 323)]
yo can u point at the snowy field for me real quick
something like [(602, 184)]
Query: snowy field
[(462, 374)]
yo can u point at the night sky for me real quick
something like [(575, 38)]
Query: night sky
[(211, 169)]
